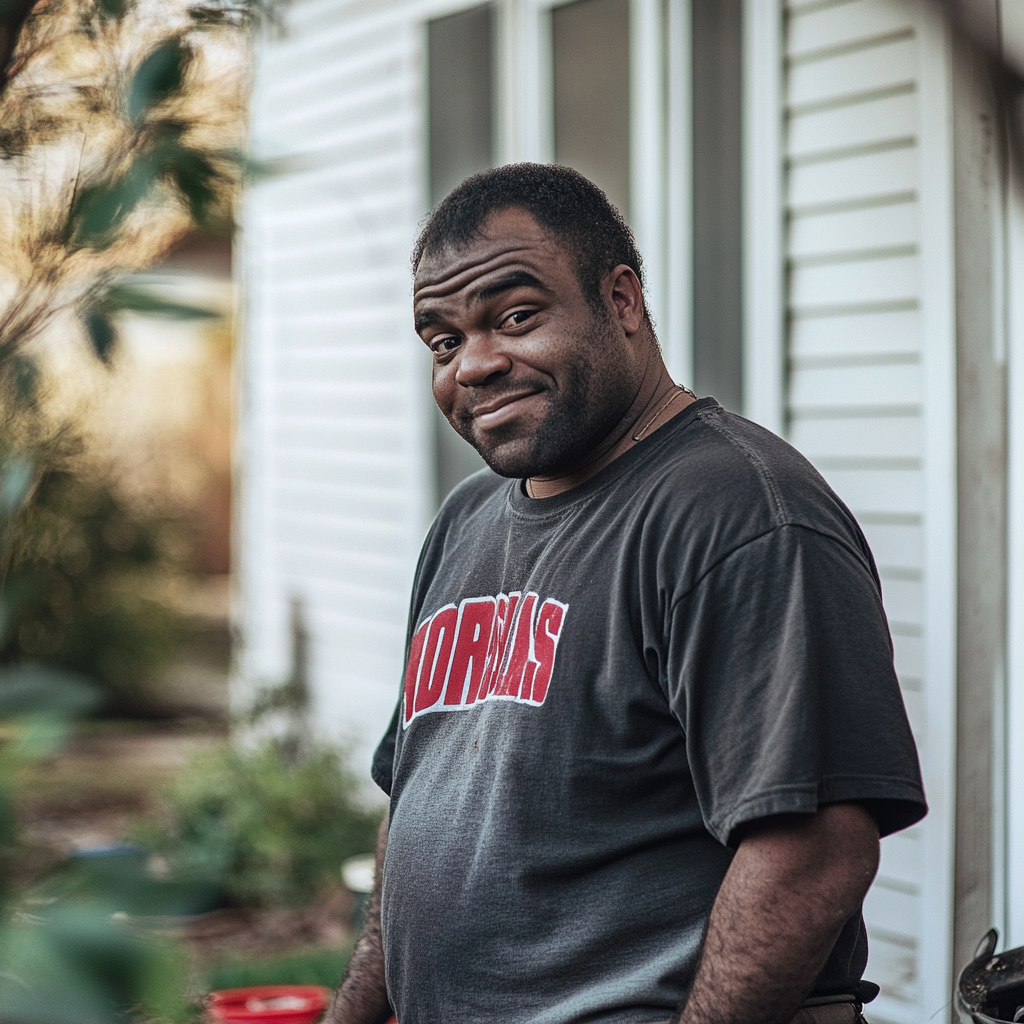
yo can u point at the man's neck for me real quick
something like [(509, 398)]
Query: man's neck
[(658, 401)]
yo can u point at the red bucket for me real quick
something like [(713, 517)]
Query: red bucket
[(268, 1004)]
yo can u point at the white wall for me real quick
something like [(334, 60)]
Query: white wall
[(851, 355), (335, 467)]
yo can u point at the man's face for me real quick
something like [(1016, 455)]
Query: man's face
[(523, 368)]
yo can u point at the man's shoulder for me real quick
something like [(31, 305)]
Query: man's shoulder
[(723, 468)]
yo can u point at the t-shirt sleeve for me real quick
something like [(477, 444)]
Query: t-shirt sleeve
[(780, 671), (382, 767)]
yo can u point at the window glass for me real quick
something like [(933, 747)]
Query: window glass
[(460, 142), (717, 201), (590, 63)]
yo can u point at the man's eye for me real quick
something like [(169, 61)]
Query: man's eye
[(445, 344), (519, 317)]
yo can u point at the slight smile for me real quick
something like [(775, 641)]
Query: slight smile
[(502, 409)]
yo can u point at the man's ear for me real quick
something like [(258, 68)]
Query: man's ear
[(626, 296)]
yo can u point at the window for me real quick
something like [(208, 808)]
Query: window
[(590, 65), (717, 201), (460, 142)]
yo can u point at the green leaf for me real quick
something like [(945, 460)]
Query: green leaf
[(197, 181), (158, 77), (126, 298), (99, 210), (102, 332), (113, 9)]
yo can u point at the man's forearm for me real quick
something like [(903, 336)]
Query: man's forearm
[(791, 887), (362, 997)]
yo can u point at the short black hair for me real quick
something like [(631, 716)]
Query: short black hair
[(560, 199)]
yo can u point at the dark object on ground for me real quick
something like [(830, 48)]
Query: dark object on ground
[(991, 986)]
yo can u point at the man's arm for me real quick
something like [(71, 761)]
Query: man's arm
[(362, 997), (793, 884)]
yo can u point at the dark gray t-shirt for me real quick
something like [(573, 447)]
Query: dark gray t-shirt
[(601, 687)]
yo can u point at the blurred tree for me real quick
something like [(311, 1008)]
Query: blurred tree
[(120, 130), (87, 563)]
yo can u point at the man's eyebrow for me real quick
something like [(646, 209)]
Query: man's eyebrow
[(424, 320), (517, 279)]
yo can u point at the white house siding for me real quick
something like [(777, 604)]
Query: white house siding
[(334, 491), (856, 399)]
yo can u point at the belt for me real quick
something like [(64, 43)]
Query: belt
[(844, 1012)]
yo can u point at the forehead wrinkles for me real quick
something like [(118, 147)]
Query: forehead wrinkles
[(458, 274)]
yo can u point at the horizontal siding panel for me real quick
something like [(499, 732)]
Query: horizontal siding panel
[(856, 125), (380, 76), (292, 396), (854, 230), (844, 23), (878, 490), (386, 568), (345, 247), (297, 499), (913, 701), (298, 297), (849, 386), (324, 401), (909, 656), (895, 912), (340, 434), (862, 281), (893, 967), (861, 334), (877, 437), (368, 279), (379, 51), (328, 38), (901, 858), (904, 601), (339, 223), (379, 112), (853, 178), (891, 62), (895, 545), (344, 330), (344, 359), (349, 534), (334, 192), (366, 149)]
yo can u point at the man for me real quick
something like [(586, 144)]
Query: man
[(650, 730)]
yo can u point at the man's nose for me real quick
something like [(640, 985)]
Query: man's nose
[(481, 360)]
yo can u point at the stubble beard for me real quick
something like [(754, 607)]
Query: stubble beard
[(580, 415)]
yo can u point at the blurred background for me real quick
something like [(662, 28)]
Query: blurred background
[(219, 452)]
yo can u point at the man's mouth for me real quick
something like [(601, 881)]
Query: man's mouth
[(501, 409)]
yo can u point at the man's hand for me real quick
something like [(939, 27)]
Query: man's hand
[(793, 884), (362, 997)]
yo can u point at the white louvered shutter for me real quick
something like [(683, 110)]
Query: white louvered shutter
[(856, 399)]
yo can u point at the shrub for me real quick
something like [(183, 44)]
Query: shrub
[(85, 563), (270, 830), (314, 966)]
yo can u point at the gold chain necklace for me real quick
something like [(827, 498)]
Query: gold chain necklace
[(679, 389)]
